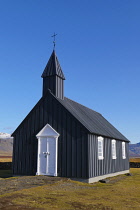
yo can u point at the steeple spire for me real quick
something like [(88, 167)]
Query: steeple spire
[(53, 77), (53, 67)]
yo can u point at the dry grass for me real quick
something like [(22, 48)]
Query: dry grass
[(124, 193), (5, 159), (136, 160)]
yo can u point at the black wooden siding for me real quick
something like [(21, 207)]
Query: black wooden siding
[(55, 84), (107, 165), (72, 143)]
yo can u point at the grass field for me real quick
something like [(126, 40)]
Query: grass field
[(6, 159), (122, 192), (136, 160)]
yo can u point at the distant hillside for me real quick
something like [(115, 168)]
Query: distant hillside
[(134, 150), (6, 145)]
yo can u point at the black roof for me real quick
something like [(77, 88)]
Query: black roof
[(92, 120), (53, 67)]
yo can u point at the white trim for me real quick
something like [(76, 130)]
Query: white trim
[(97, 178), (38, 158), (113, 148), (100, 147), (48, 131), (123, 150), (56, 156), (46, 135)]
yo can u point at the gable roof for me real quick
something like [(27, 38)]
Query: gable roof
[(93, 121), (53, 67)]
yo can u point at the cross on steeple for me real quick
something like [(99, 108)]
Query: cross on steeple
[(54, 39)]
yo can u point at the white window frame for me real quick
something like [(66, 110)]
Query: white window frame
[(123, 150), (100, 148), (113, 147)]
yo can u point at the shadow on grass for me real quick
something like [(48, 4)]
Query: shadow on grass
[(5, 173)]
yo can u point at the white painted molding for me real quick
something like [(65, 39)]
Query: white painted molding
[(101, 142), (47, 131), (97, 178), (113, 149)]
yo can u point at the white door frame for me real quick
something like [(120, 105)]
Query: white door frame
[(46, 135)]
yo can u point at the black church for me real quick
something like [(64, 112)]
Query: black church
[(60, 137)]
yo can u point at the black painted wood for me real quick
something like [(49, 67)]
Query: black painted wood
[(70, 150), (107, 165)]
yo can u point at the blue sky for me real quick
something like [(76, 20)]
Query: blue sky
[(98, 47)]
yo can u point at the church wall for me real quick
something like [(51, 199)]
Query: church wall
[(72, 143), (107, 165)]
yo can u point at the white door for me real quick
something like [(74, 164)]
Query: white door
[(51, 156), (48, 158), (42, 156), (47, 151)]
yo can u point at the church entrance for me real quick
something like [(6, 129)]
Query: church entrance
[(47, 151)]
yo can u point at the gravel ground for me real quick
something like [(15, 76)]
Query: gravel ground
[(24, 182), (13, 184), (17, 183)]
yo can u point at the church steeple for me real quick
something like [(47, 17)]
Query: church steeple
[(53, 77)]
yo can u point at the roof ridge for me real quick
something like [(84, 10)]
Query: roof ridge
[(99, 122)]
